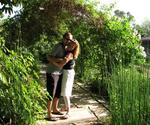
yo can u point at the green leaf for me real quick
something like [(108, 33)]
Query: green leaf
[(3, 78)]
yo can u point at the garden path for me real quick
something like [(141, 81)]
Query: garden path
[(85, 108)]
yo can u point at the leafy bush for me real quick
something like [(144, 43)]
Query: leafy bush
[(21, 96), (105, 40), (42, 47)]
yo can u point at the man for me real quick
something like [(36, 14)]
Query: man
[(54, 76)]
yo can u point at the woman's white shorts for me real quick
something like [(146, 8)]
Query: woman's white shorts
[(67, 82)]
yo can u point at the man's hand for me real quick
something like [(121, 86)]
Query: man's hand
[(60, 62)]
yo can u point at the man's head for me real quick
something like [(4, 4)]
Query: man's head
[(67, 37)]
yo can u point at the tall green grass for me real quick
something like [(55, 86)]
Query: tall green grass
[(129, 93)]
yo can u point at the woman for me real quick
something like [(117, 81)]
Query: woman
[(72, 50)]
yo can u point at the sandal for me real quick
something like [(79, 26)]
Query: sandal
[(57, 113), (65, 116), (52, 119)]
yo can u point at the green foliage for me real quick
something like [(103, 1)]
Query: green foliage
[(104, 47), (43, 47), (145, 28), (129, 97), (106, 41), (21, 96)]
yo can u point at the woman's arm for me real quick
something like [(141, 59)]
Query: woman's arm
[(63, 61), (60, 62)]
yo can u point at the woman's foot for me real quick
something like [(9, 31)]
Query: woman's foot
[(51, 117), (64, 109), (66, 116)]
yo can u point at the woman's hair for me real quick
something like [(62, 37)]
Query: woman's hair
[(76, 50)]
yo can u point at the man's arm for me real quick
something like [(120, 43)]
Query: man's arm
[(60, 62), (66, 59), (55, 52), (52, 58), (55, 61)]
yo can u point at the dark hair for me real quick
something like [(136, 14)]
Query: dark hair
[(66, 34)]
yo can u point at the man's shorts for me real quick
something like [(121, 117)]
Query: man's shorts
[(53, 85)]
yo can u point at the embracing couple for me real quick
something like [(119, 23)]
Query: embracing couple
[(60, 75)]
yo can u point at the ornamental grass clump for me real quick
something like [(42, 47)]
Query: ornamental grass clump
[(129, 93)]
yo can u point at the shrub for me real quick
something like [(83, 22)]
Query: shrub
[(21, 96)]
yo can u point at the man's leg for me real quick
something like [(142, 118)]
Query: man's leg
[(50, 88), (55, 104), (49, 106), (57, 95)]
